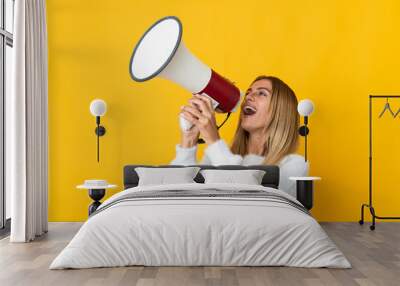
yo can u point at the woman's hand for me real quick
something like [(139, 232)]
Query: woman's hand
[(201, 114), (189, 138)]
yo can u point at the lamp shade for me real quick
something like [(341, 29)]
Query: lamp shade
[(305, 107), (98, 107)]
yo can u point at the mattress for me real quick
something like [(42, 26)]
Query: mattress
[(201, 225)]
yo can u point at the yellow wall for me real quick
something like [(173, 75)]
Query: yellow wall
[(333, 52)]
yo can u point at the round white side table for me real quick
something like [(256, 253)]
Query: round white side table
[(305, 190), (96, 193)]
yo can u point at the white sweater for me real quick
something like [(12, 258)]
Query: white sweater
[(219, 153)]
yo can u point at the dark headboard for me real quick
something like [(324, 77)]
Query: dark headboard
[(270, 179)]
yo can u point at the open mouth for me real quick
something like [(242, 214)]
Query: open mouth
[(249, 110)]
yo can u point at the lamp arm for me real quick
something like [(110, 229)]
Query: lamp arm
[(305, 137), (305, 147), (98, 136)]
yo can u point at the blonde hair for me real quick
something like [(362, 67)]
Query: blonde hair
[(281, 129)]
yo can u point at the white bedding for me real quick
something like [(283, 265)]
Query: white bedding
[(183, 231)]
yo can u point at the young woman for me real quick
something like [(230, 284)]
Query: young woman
[(267, 132)]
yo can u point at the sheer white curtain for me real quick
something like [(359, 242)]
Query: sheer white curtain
[(26, 123)]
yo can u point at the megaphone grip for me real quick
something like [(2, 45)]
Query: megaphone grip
[(184, 124)]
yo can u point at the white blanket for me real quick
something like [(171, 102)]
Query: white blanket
[(191, 230)]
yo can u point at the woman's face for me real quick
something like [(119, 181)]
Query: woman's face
[(255, 106)]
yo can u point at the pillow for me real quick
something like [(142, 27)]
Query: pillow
[(248, 177), (162, 176)]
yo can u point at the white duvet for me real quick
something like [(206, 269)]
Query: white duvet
[(200, 231)]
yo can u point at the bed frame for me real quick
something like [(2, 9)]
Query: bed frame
[(270, 179)]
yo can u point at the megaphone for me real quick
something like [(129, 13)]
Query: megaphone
[(160, 52)]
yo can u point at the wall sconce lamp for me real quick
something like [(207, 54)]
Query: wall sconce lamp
[(98, 108), (305, 108)]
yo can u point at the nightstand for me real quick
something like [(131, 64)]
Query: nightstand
[(305, 190), (97, 190)]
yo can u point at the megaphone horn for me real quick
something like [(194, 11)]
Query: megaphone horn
[(161, 52)]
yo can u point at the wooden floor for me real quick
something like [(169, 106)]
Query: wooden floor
[(375, 257)]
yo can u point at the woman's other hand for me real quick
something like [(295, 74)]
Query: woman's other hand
[(201, 114), (189, 138)]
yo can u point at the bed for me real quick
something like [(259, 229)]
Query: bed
[(198, 224)]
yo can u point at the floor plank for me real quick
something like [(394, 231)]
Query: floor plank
[(375, 257)]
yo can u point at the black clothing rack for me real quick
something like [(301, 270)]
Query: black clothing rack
[(370, 205)]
